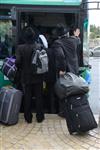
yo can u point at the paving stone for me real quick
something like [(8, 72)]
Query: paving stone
[(52, 134)]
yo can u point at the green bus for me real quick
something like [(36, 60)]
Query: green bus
[(44, 14), (15, 15)]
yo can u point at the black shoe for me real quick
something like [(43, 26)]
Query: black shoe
[(62, 114), (28, 119), (40, 118)]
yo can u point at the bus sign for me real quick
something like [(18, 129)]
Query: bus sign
[(72, 1), (42, 2)]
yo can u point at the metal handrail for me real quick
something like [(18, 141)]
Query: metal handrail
[(84, 5)]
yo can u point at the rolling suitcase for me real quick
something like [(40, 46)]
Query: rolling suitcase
[(78, 113), (10, 101)]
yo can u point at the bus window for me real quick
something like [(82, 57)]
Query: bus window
[(7, 41)]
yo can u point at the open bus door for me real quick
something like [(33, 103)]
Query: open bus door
[(86, 7), (47, 17)]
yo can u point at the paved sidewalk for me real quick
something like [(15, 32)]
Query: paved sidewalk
[(52, 134)]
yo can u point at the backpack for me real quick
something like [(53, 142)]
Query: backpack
[(40, 61)]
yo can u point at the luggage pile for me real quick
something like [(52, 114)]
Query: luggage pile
[(74, 91)]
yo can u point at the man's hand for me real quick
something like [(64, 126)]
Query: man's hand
[(61, 73)]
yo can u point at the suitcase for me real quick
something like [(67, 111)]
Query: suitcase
[(79, 116), (10, 101)]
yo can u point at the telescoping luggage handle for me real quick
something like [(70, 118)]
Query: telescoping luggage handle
[(1, 108), (11, 101), (3, 104), (10, 104)]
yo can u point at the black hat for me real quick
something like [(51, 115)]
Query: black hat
[(60, 30), (29, 34)]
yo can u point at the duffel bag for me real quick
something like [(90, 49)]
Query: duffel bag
[(70, 84), (8, 68)]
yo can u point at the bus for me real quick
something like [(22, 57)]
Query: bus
[(44, 15)]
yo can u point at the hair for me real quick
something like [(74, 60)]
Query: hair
[(29, 35), (59, 30), (72, 29)]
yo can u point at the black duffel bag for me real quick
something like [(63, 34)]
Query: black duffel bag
[(70, 84)]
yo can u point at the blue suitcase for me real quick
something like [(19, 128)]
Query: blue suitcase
[(10, 102)]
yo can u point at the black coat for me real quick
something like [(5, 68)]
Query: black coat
[(23, 62), (56, 61), (65, 53), (70, 59), (78, 44)]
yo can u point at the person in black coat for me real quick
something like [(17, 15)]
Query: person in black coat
[(64, 56), (65, 52), (31, 82), (75, 34)]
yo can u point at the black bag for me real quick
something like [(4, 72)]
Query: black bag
[(70, 84), (79, 116)]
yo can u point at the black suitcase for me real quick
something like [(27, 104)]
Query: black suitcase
[(10, 101), (79, 116)]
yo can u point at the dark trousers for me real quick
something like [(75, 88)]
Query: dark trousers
[(29, 90), (50, 97), (62, 107)]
